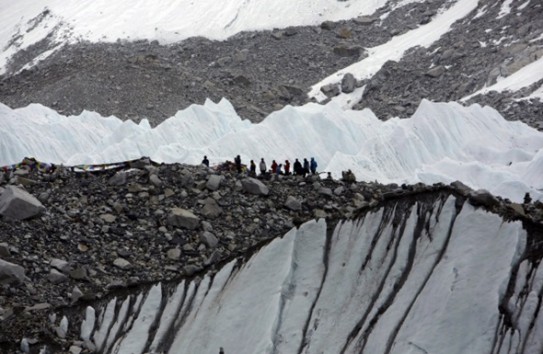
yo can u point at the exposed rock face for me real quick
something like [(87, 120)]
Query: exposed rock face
[(19, 204)]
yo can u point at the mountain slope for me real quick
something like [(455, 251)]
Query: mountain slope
[(261, 72)]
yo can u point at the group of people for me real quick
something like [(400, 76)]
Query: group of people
[(298, 168)]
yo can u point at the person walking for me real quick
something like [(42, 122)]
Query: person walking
[(262, 167), (313, 166), (237, 160)]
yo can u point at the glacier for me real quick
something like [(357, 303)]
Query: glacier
[(429, 275), (441, 142)]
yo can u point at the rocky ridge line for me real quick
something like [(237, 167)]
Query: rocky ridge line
[(99, 233)]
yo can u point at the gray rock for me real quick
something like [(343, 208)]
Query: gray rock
[(19, 204), (365, 20), (330, 90), (79, 273), (122, 263), (345, 51), (118, 179), (10, 272), (517, 209), (76, 294), (348, 83), (109, 218), (339, 190), (155, 180), (206, 226), (191, 269), (326, 191), (174, 253), (208, 239), (461, 188), (4, 250), (211, 209), (214, 182), (293, 204), (60, 265), (56, 277), (483, 197), (74, 349), (183, 218), (213, 258), (319, 213), (328, 25), (254, 186), (436, 71)]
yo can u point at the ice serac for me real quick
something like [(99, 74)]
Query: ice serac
[(416, 275), (442, 142)]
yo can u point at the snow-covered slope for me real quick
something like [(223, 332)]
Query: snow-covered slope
[(26, 22), (442, 142), (426, 277)]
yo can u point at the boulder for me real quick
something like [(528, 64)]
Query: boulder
[(330, 90), (214, 182), (293, 204), (174, 253), (461, 188), (10, 272), (254, 186), (4, 250), (211, 208), (19, 204), (365, 20), (208, 239), (60, 265), (118, 179), (483, 197), (56, 277), (155, 180), (436, 71), (109, 218), (122, 263), (328, 25), (183, 218), (345, 51), (348, 83)]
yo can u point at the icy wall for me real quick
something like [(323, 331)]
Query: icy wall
[(415, 276)]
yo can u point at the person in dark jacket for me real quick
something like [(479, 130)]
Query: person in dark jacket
[(262, 167), (306, 167), (313, 166), (287, 168), (237, 160), (297, 167), (205, 161)]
